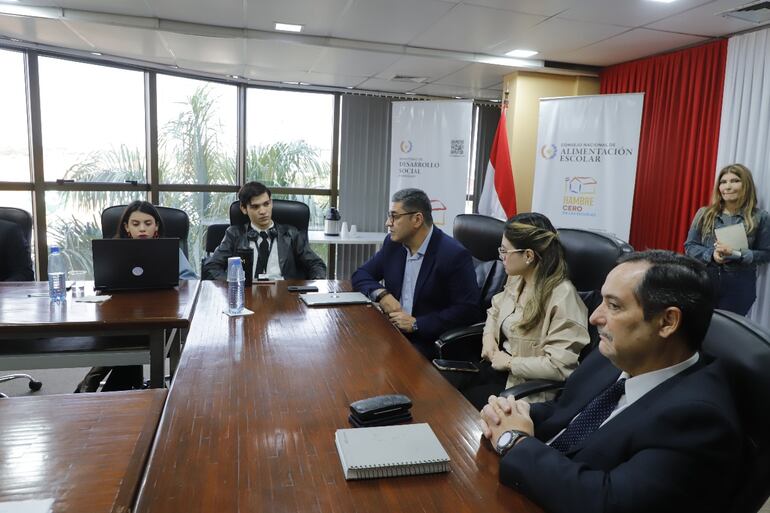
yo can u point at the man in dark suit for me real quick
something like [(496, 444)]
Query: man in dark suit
[(429, 280), (15, 256), (280, 251), (646, 423)]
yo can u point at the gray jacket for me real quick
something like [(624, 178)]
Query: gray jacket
[(296, 259)]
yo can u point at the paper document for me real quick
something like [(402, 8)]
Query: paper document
[(733, 236), (29, 506)]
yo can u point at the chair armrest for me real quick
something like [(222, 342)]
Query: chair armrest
[(461, 343), (532, 387)]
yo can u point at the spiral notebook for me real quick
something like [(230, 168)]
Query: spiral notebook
[(389, 451)]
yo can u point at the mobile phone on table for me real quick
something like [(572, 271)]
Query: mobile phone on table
[(302, 288), (455, 365)]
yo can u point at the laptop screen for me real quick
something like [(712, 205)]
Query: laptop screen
[(135, 264)]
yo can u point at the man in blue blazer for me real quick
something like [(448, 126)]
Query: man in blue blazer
[(646, 423), (429, 284)]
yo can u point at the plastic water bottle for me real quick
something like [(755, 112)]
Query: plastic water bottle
[(57, 272), (235, 285)]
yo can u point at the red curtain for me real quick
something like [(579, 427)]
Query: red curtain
[(679, 138)]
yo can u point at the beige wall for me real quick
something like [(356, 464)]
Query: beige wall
[(524, 92)]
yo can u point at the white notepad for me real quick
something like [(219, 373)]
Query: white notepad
[(388, 451), (733, 236)]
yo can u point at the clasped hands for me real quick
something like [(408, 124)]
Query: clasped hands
[(400, 319), (503, 414), (721, 252), (500, 360)]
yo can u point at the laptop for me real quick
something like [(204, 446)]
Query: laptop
[(133, 264), (334, 298)]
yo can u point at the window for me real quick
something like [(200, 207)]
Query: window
[(14, 149), (92, 122), (197, 127), (203, 209)]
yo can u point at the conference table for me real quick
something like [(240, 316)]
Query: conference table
[(250, 419), (81, 453), (131, 327)]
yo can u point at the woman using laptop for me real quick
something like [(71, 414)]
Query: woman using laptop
[(140, 220), (733, 270), (537, 326)]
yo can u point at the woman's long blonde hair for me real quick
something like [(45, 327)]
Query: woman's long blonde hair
[(534, 231), (748, 200)]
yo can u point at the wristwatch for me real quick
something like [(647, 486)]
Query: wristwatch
[(414, 327), (508, 439), (377, 296)]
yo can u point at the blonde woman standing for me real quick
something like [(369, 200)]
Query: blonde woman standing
[(733, 271)]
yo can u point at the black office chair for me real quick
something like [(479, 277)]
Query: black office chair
[(176, 223), (482, 236), (744, 350), (24, 220), (295, 213)]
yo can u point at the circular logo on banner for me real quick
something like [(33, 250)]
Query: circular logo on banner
[(548, 151), (406, 146)]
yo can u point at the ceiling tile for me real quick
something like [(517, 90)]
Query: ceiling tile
[(355, 63), (281, 55), (427, 67), (391, 86), (205, 49), (393, 21), (133, 8), (627, 13), (445, 90), (704, 20), (228, 13), (477, 76), (631, 45), (40, 30), (280, 76), (217, 68), (539, 7), (317, 16), (557, 35), (123, 41), (470, 28)]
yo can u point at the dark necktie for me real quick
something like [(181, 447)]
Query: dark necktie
[(591, 417), (263, 254)]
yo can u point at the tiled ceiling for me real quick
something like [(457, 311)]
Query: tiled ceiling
[(430, 47)]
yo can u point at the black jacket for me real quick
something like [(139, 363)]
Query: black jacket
[(296, 259)]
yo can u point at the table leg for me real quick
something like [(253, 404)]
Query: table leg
[(157, 359)]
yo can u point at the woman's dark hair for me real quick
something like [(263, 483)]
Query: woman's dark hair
[(144, 207), (532, 230)]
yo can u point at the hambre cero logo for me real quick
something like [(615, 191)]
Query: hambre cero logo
[(406, 146), (548, 151)]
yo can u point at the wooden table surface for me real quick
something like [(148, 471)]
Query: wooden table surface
[(251, 415), (149, 314), (84, 451), (166, 308)]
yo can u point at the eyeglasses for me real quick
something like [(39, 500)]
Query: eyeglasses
[(392, 216), (502, 251)]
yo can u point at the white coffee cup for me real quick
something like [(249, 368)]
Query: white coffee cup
[(344, 230), (353, 230)]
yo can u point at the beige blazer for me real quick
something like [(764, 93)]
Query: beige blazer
[(549, 350)]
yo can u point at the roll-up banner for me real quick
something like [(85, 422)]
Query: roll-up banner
[(585, 167), (430, 150)]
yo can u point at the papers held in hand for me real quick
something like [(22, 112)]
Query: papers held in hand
[(733, 236), (389, 451)]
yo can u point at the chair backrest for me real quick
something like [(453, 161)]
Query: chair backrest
[(20, 217), (482, 236), (214, 235), (590, 256), (744, 350), (176, 223), (295, 213)]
